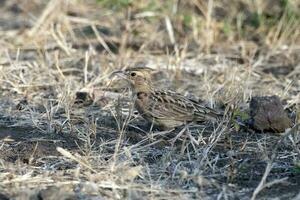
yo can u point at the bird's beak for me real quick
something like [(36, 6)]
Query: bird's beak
[(119, 73)]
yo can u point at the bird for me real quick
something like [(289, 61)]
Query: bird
[(164, 108)]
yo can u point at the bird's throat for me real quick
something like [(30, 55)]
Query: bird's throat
[(142, 88)]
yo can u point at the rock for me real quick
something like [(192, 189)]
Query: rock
[(267, 114), (83, 97)]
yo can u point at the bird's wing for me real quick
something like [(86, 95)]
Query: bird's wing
[(209, 112), (167, 104)]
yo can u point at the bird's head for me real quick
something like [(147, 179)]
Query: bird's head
[(139, 78)]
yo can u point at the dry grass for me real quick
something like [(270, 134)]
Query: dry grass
[(218, 52)]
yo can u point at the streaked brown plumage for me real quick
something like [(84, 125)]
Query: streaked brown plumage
[(164, 108)]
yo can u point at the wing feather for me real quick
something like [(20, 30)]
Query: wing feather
[(171, 105)]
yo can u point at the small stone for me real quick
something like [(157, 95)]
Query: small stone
[(267, 114), (83, 97)]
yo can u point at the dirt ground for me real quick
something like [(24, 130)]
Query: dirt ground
[(57, 144)]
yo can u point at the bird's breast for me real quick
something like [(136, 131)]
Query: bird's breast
[(141, 102)]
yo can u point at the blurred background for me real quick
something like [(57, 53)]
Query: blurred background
[(237, 28)]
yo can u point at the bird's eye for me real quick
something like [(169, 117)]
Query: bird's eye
[(133, 74)]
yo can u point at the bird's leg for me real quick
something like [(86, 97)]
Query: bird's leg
[(192, 138), (183, 146), (151, 128), (173, 140)]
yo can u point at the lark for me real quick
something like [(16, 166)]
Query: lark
[(164, 108)]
